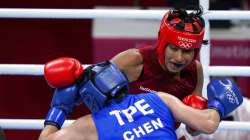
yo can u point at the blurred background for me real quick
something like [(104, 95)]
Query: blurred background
[(36, 41)]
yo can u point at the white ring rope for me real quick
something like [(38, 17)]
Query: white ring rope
[(37, 70), (37, 124), (111, 13), (80, 13), (243, 71), (22, 69), (26, 124)]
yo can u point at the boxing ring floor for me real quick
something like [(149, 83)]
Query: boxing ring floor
[(37, 70)]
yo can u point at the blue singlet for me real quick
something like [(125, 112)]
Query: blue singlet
[(141, 116)]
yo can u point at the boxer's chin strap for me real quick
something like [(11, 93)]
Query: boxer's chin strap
[(103, 81)]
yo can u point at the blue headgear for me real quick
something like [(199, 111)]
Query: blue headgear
[(102, 81)]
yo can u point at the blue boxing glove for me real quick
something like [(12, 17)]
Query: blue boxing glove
[(62, 104), (224, 96)]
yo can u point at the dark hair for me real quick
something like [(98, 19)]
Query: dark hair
[(180, 18)]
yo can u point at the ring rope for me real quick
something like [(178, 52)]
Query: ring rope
[(112, 13), (37, 124), (81, 13), (23, 69), (37, 70)]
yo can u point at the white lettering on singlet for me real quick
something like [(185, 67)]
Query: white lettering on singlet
[(140, 106), (157, 123), (144, 129), (139, 129), (146, 89)]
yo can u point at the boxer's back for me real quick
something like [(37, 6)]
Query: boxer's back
[(142, 116)]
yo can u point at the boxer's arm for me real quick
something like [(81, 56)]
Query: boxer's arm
[(130, 62), (47, 131), (52, 133), (82, 128), (196, 102), (206, 121)]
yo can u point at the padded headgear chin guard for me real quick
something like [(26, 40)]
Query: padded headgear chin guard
[(100, 83), (107, 78), (186, 39)]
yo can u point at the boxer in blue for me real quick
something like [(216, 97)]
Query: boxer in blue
[(118, 115)]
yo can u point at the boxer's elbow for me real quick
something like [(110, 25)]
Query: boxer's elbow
[(210, 128), (212, 122)]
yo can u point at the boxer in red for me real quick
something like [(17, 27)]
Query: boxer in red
[(171, 66)]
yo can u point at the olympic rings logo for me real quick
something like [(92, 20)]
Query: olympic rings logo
[(185, 45), (230, 98)]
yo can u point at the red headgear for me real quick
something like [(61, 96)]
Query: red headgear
[(184, 39)]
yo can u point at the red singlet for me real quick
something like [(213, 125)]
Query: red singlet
[(154, 78)]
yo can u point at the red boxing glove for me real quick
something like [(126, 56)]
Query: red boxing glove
[(195, 101), (62, 72)]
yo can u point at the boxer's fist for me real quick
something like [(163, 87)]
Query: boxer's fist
[(62, 72), (224, 96), (62, 104), (65, 98), (195, 101)]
